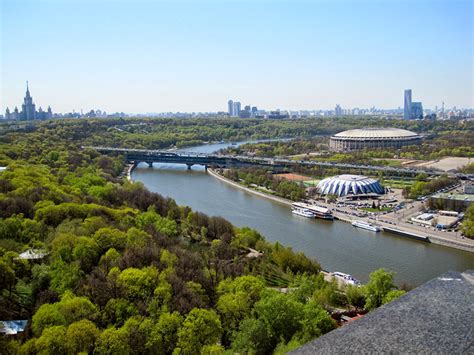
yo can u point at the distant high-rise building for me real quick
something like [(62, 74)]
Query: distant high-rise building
[(237, 108), (245, 113), (407, 105), (412, 110), (338, 110), (230, 107), (416, 110), (254, 112)]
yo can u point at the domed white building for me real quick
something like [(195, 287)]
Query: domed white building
[(373, 138), (344, 185)]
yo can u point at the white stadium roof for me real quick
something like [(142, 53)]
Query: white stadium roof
[(377, 133)]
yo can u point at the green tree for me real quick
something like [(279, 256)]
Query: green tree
[(214, 349), (393, 294), (46, 316), (137, 238), (379, 285), (468, 223), (253, 337), (117, 311), (294, 262), (53, 340), (237, 298), (201, 327), (163, 225), (64, 276), (81, 336), (113, 341), (75, 308), (86, 252), (110, 238), (165, 332), (315, 323), (281, 313), (109, 259), (284, 348), (328, 294), (355, 296), (139, 283), (138, 330)]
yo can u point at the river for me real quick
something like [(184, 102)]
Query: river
[(336, 245)]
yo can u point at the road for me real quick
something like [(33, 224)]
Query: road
[(399, 220)]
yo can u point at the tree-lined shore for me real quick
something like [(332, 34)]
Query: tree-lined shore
[(129, 271)]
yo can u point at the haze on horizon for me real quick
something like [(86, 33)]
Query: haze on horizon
[(159, 56)]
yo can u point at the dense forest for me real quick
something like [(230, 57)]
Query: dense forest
[(123, 270), (164, 133)]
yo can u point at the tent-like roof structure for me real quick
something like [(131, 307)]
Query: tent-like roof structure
[(344, 185)]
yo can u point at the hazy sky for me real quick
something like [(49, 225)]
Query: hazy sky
[(155, 56)]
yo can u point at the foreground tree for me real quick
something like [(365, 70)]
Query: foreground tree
[(379, 285), (201, 327)]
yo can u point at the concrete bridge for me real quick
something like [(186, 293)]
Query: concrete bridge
[(136, 156)]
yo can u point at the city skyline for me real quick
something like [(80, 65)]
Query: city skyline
[(179, 57), (411, 110)]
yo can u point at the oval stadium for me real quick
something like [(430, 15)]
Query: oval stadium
[(373, 138), (344, 185)]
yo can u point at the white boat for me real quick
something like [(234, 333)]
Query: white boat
[(348, 279), (366, 225), (302, 212), (318, 211)]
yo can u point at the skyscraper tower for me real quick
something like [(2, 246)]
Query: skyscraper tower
[(237, 108), (230, 107), (407, 107), (28, 111)]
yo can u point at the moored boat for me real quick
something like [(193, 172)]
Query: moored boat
[(302, 212), (367, 226), (318, 211), (348, 279)]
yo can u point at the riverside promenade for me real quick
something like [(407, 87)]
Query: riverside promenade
[(249, 190), (435, 237)]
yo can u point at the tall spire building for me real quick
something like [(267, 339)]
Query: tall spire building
[(28, 110)]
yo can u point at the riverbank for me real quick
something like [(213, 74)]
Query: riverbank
[(456, 244), (252, 191)]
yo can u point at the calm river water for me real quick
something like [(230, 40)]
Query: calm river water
[(336, 245)]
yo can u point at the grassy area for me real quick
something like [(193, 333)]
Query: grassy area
[(382, 209), (397, 184), (310, 183)]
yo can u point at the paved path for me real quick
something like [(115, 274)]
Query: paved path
[(399, 219)]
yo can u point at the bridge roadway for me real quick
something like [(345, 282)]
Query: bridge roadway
[(136, 156)]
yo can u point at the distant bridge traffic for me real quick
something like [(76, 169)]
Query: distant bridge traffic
[(136, 156)]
